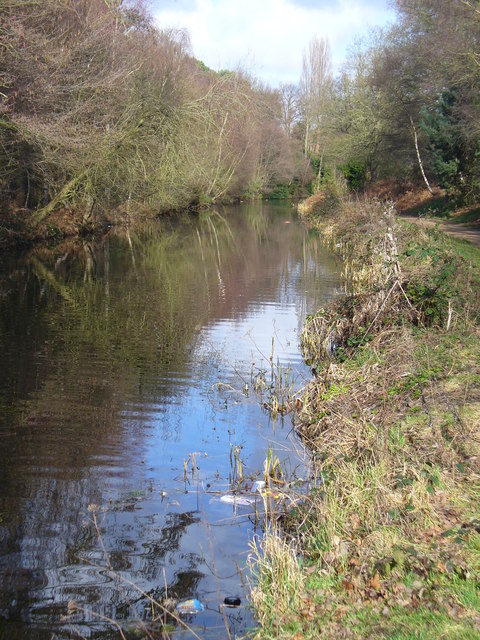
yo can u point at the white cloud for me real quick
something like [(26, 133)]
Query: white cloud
[(267, 37)]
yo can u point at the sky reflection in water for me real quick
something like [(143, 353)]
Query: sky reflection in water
[(113, 354)]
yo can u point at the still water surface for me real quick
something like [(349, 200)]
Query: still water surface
[(111, 355)]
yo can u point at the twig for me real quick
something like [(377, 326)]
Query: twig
[(75, 607), (379, 311)]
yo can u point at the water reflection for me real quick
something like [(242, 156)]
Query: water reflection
[(112, 353)]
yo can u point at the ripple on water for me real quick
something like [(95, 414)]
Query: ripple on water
[(110, 396)]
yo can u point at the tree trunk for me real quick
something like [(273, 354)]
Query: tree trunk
[(420, 163), (64, 194)]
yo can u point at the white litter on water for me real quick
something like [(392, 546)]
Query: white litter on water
[(258, 486), (241, 500)]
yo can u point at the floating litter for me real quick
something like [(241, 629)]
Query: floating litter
[(241, 500), (232, 601), (258, 486), (189, 607)]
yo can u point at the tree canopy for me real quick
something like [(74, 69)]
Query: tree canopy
[(101, 109), (406, 104)]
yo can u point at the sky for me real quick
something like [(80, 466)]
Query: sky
[(266, 38)]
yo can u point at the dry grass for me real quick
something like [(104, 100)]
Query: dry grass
[(392, 420), (392, 439), (279, 585)]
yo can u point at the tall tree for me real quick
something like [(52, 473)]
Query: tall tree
[(315, 86), (447, 33), (289, 103)]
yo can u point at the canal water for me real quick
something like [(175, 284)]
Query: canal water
[(127, 414)]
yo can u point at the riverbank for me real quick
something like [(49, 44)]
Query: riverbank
[(74, 224), (388, 545), (17, 230)]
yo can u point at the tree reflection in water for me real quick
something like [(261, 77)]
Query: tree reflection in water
[(110, 353)]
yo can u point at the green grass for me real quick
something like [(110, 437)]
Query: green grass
[(424, 624), (444, 208), (472, 215), (440, 207), (466, 250), (431, 613), (390, 542)]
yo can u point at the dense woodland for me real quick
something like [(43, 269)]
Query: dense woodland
[(406, 106), (100, 110)]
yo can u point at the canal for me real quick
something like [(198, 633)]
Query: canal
[(129, 418)]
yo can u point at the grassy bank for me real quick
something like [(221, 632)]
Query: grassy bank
[(388, 546)]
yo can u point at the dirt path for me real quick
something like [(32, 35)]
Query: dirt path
[(461, 231)]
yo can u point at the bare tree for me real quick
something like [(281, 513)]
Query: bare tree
[(290, 107), (101, 109), (315, 86)]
